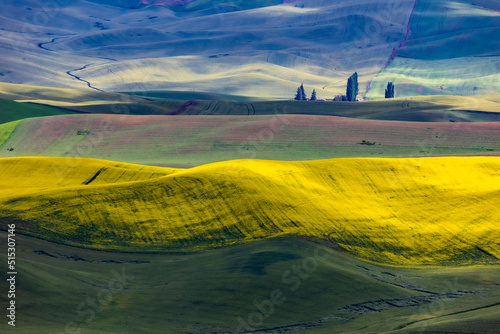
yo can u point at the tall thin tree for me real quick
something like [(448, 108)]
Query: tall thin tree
[(303, 93), (389, 91), (298, 95), (313, 96), (352, 87)]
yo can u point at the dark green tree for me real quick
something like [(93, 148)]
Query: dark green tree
[(389, 91), (298, 95), (301, 93), (313, 95), (352, 87)]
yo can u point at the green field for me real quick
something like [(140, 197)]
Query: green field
[(417, 109), (187, 141), (14, 111), (294, 284)]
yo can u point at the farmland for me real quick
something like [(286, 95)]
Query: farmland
[(157, 174), (188, 141), (355, 203), (217, 291)]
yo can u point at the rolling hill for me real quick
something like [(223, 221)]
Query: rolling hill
[(254, 48), (244, 49), (451, 49), (430, 108), (399, 211), (225, 290), (14, 111), (162, 180), (188, 141)]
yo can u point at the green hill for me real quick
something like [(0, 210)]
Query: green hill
[(187, 141), (13, 111), (280, 285)]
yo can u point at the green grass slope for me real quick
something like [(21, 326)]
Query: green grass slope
[(6, 131), (13, 111), (187, 141), (312, 289), (416, 108), (61, 97)]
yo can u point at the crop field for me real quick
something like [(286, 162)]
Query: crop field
[(397, 211), (228, 290), (14, 111), (194, 167), (188, 141), (193, 49), (395, 109), (458, 76)]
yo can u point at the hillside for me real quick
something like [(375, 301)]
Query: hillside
[(430, 108), (209, 292), (188, 141), (254, 48), (397, 211), (451, 49), (14, 111), (243, 49), (62, 97)]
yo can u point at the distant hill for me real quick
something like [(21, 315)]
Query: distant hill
[(451, 48), (262, 48), (235, 47), (186, 96)]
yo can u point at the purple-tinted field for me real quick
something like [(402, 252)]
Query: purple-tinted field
[(185, 141)]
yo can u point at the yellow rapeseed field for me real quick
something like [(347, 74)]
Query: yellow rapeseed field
[(399, 211)]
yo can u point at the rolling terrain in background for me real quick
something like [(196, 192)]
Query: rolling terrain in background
[(254, 48), (451, 49), (152, 129)]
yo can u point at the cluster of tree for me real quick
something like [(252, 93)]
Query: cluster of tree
[(301, 94), (351, 91)]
